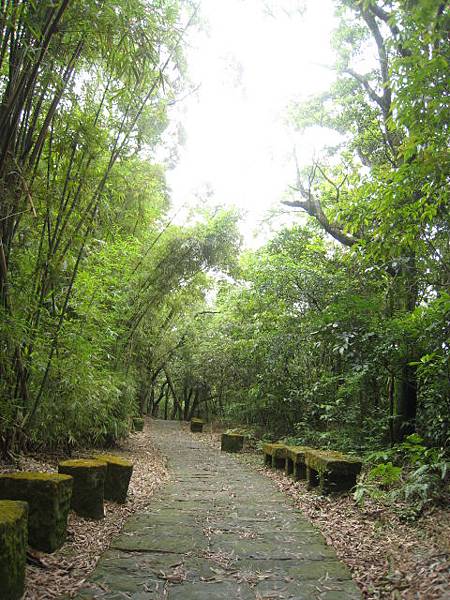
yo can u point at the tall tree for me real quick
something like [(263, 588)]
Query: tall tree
[(386, 198)]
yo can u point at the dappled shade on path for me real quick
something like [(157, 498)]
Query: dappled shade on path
[(217, 530)]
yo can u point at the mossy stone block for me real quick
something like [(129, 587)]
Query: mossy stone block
[(118, 475), (331, 471), (289, 466), (295, 461), (138, 424), (275, 455), (48, 497), (13, 548), (88, 486), (298, 453), (197, 425), (232, 442)]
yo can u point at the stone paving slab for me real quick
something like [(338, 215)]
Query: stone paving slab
[(217, 531)]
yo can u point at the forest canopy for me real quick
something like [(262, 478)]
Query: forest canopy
[(334, 333)]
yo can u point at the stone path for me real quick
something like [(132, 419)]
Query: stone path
[(217, 531)]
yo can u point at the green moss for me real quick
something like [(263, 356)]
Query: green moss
[(331, 471), (35, 476), (297, 453), (276, 450), (88, 486), (113, 459), (118, 475), (82, 462), (323, 461), (280, 452), (12, 510), (13, 546), (48, 496), (266, 449), (275, 455)]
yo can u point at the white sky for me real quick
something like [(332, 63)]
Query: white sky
[(249, 66)]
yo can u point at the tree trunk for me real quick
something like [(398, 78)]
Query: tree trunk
[(405, 404), (404, 299)]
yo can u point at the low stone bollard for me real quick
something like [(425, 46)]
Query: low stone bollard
[(13, 548), (138, 424), (118, 475), (295, 461), (197, 425), (232, 442), (48, 497), (275, 455), (88, 486), (331, 471)]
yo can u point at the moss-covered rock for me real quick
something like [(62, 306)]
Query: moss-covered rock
[(298, 453), (232, 442), (331, 471), (48, 497), (275, 455), (197, 425), (118, 475), (295, 461), (88, 486), (138, 424), (13, 547), (267, 455)]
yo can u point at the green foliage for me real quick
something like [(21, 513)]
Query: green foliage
[(384, 474), (83, 212), (346, 346), (109, 310), (408, 476)]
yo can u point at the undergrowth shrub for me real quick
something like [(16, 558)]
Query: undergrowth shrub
[(408, 477)]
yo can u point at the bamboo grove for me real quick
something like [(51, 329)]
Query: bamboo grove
[(87, 251)]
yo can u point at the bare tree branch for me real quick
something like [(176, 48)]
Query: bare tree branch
[(384, 16), (383, 60), (363, 81), (311, 204)]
